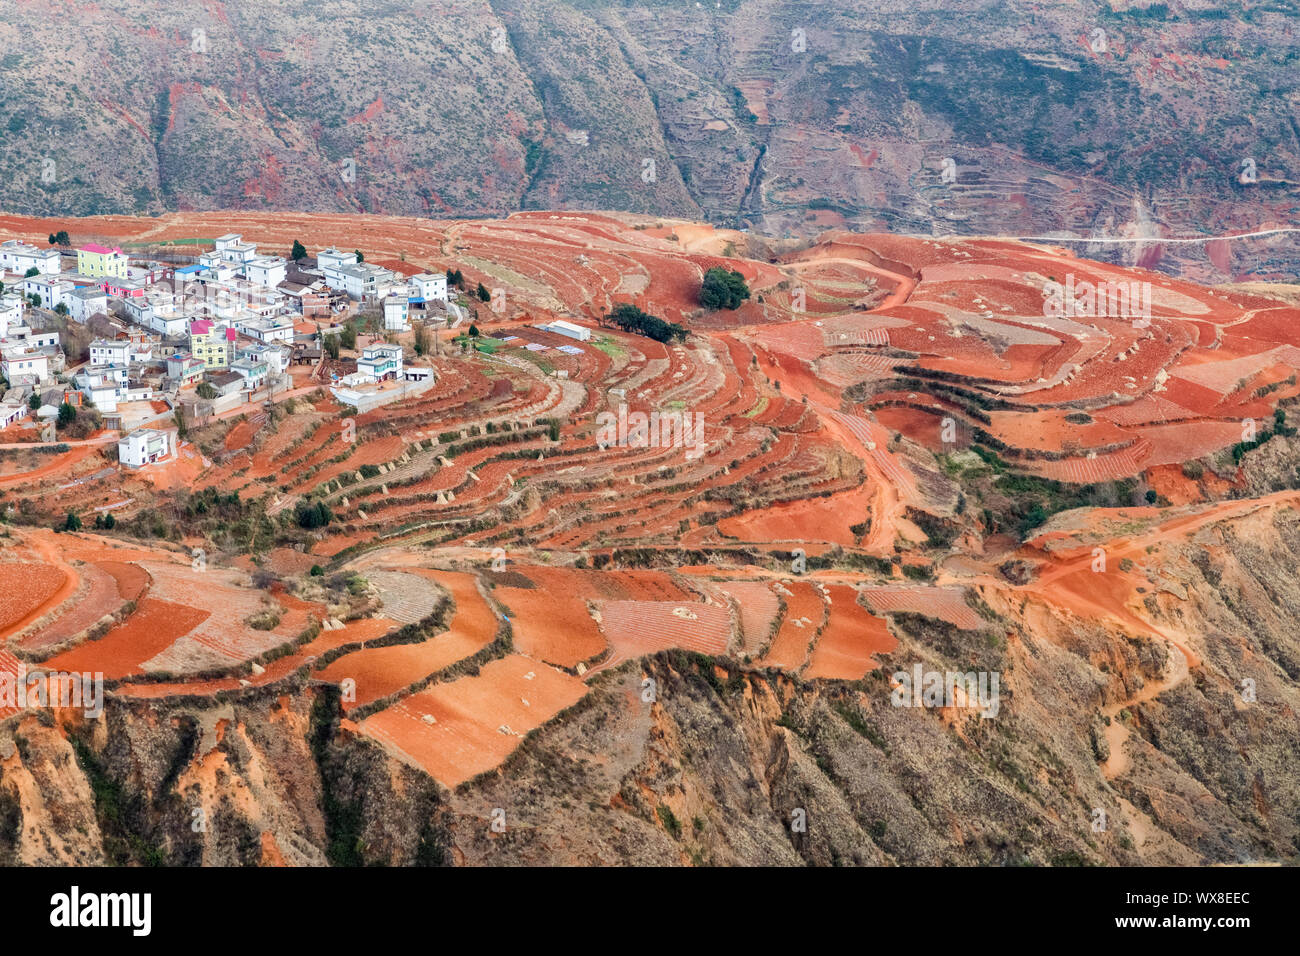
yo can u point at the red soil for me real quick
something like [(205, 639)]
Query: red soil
[(382, 671), (153, 628), (805, 612), (477, 721), (552, 623), (27, 590), (852, 635)]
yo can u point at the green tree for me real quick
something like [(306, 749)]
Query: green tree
[(33, 271), (61, 309), (67, 414), (483, 294), (34, 402), (299, 251), (631, 319), (421, 338), (361, 257), (316, 515), (60, 238), (473, 331), (71, 522), (723, 289), (331, 343), (348, 337)]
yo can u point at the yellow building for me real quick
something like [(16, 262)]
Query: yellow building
[(98, 262), (211, 344)]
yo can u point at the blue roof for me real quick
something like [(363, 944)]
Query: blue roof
[(189, 270)]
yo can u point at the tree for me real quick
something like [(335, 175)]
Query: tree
[(473, 331), (316, 515), (483, 294), (207, 390), (361, 257), (67, 414), (421, 338), (723, 289), (34, 301), (71, 522), (61, 309), (348, 337), (33, 271), (331, 343), (631, 319), (60, 238), (34, 402), (299, 251)]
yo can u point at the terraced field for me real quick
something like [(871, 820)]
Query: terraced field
[(864, 428)]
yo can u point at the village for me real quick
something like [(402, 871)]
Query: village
[(139, 345)]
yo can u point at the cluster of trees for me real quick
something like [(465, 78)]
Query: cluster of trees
[(299, 251), (455, 278), (631, 319), (315, 515), (60, 238), (723, 289)]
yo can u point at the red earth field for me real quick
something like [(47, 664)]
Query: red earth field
[(501, 552)]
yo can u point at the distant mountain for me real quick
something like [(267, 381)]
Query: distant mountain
[(787, 116)]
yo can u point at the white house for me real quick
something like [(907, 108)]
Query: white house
[(269, 271), (428, 287), (252, 372), (380, 361), (11, 412), (83, 303), (266, 330), (147, 445), (233, 248), (275, 357), (20, 367), (359, 281), (560, 327), (49, 290), (331, 259), (11, 311), (103, 352), (215, 266), (17, 256), (397, 311)]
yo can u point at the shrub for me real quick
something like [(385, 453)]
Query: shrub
[(316, 515), (723, 289)]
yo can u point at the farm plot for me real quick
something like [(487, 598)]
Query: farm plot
[(458, 730), (805, 613), (852, 635), (381, 671), (26, 588), (759, 606), (946, 604), (636, 628)]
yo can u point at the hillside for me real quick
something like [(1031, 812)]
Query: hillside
[(788, 117), (689, 643)]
